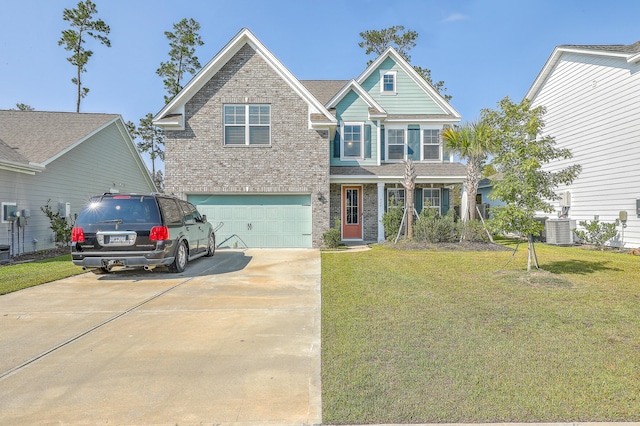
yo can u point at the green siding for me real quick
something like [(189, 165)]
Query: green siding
[(352, 108), (409, 99)]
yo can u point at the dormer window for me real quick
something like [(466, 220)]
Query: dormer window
[(388, 82)]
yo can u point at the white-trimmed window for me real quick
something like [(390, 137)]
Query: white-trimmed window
[(352, 140), (247, 124), (431, 144), (431, 198), (9, 212), (388, 82), (396, 147), (395, 196)]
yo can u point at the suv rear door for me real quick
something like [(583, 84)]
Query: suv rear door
[(198, 234)]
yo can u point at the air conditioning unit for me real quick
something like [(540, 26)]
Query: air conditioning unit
[(560, 231)]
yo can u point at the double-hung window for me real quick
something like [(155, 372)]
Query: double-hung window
[(395, 144), (352, 140), (395, 197), (431, 144), (388, 82), (247, 124), (431, 198)]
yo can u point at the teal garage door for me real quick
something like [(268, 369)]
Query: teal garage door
[(258, 221)]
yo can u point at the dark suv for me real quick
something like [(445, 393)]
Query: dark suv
[(143, 231)]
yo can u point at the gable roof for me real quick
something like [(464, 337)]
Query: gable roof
[(375, 110), (417, 79), (629, 53), (41, 137), (172, 115)]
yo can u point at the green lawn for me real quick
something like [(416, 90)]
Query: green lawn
[(440, 336), (23, 275)]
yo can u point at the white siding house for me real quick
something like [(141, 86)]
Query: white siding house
[(65, 158), (591, 97)]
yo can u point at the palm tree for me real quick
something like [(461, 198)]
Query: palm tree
[(472, 142)]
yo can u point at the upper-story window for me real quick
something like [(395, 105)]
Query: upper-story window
[(395, 144), (352, 140), (388, 82), (247, 124), (431, 144)]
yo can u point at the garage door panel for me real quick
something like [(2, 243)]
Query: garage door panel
[(259, 221)]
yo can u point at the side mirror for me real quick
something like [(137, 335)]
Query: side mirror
[(204, 217)]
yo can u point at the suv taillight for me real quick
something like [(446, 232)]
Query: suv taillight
[(77, 235), (159, 233)]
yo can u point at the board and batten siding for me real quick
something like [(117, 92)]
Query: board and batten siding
[(91, 168), (593, 110), (409, 99)]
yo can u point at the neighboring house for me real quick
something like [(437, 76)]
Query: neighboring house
[(277, 159), (64, 158), (483, 201), (591, 97)]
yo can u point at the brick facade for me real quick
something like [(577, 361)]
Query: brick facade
[(297, 161)]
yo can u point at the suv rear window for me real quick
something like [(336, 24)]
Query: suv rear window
[(132, 209), (171, 211)]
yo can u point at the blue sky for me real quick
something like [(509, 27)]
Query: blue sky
[(483, 50)]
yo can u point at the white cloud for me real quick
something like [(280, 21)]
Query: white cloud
[(455, 17)]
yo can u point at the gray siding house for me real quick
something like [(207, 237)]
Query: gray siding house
[(65, 158), (277, 159)]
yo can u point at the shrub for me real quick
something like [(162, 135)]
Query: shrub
[(391, 221), (474, 230), (332, 238), (59, 225), (434, 228), (596, 232)]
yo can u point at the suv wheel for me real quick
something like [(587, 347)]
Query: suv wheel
[(211, 247), (180, 262)]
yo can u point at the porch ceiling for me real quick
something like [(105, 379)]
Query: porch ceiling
[(448, 173)]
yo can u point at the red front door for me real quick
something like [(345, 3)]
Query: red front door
[(352, 212)]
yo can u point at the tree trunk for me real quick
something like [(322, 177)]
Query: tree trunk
[(409, 207)]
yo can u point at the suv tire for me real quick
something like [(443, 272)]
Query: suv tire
[(180, 262), (211, 247)]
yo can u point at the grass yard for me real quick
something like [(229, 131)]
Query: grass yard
[(23, 275), (440, 336)]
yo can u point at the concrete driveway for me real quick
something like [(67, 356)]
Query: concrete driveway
[(233, 340)]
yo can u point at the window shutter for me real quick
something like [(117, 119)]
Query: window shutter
[(417, 199), (414, 142), (445, 201), (336, 144), (382, 143), (367, 141)]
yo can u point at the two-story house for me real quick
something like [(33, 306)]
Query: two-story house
[(590, 93), (277, 159)]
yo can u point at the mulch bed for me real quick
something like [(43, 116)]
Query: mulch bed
[(39, 255)]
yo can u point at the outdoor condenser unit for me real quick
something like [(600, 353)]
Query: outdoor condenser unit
[(560, 231)]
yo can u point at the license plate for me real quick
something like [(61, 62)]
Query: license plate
[(118, 239)]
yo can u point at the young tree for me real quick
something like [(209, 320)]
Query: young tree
[(151, 142), (182, 58), (472, 142), (377, 41), (525, 187), (82, 26)]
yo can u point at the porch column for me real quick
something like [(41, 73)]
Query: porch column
[(380, 211)]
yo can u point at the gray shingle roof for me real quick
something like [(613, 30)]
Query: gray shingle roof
[(397, 169), (324, 90), (36, 136), (10, 154), (620, 48)]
